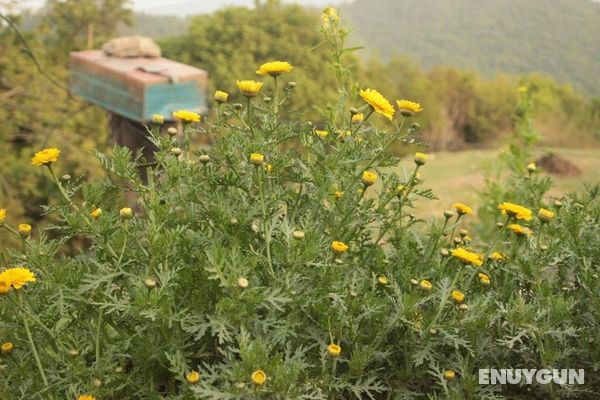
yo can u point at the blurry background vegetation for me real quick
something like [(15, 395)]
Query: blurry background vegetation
[(462, 59)]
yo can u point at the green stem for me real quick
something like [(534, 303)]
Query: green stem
[(98, 328), (36, 356), (276, 100), (266, 226)]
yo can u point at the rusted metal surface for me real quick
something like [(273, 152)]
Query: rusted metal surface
[(137, 88)]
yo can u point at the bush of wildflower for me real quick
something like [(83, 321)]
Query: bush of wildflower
[(284, 262)]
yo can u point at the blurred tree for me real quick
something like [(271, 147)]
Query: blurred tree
[(80, 24), (233, 42)]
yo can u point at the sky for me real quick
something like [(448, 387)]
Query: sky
[(186, 7)]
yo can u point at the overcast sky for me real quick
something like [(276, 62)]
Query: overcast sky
[(183, 7)]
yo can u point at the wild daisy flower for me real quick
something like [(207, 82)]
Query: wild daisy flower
[(516, 211), (408, 108), (126, 212), (187, 116), (249, 88), (86, 397), (462, 209), (467, 257), (368, 178), (158, 119), (45, 157), (497, 256), (339, 247), (96, 213), (321, 133), (545, 215), (520, 230), (17, 277), (484, 279), (274, 68), (2, 215), (378, 103), (449, 375)]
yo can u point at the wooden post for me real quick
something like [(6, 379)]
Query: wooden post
[(90, 35)]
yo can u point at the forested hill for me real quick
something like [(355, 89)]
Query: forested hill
[(557, 37)]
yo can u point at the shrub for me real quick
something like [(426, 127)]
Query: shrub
[(284, 262)]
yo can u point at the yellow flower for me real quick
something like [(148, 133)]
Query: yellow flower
[(298, 235), (467, 257), (330, 14), (520, 230), (383, 280), (192, 377), (368, 178), (321, 133), (484, 279), (449, 375), (221, 96), (458, 296), (497, 256), (408, 108), (259, 377), (45, 157), (7, 347), (24, 229), (274, 68), (2, 215), (4, 287), (187, 116), (522, 89), (339, 247), (257, 158), (268, 168), (96, 213), (545, 215), (378, 103), (334, 350), (86, 397), (158, 119), (126, 212), (531, 167), (420, 158), (515, 210), (358, 118), (338, 194), (462, 209), (249, 88), (426, 285), (16, 277)]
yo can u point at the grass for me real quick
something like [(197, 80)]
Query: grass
[(460, 176)]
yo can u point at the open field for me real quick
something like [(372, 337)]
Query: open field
[(459, 176)]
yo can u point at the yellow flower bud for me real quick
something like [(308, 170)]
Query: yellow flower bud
[(339, 247), (158, 119), (192, 377), (256, 159), (458, 296), (420, 158), (24, 229), (259, 377), (383, 280), (221, 97), (368, 178), (96, 213), (449, 375), (126, 212), (426, 285), (334, 350), (7, 347)]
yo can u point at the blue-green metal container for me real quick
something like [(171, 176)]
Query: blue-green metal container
[(137, 88)]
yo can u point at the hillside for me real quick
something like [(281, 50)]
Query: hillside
[(556, 37)]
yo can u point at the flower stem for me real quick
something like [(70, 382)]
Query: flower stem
[(266, 227), (36, 356)]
